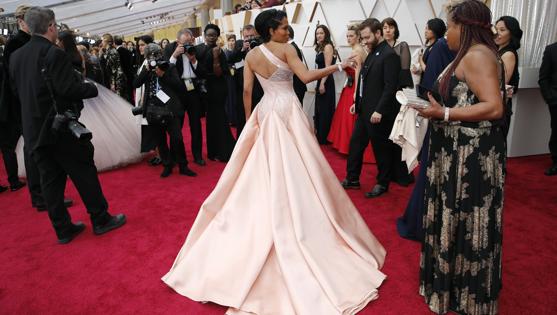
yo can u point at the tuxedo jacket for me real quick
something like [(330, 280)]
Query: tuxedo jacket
[(378, 82), (10, 110), (548, 75), (201, 50), (299, 86), (30, 86), (126, 60)]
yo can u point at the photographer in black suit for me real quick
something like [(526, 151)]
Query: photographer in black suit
[(377, 109), (182, 53), (50, 92), (10, 122), (163, 107), (250, 41)]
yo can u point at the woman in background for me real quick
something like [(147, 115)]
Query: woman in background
[(437, 56), (391, 35), (344, 118), (325, 88), (508, 39), (164, 42)]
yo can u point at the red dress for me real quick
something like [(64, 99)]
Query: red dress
[(343, 121)]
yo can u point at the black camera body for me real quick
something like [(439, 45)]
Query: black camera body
[(69, 120), (138, 110), (189, 49), (254, 42), (160, 63)]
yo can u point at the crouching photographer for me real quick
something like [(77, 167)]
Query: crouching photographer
[(50, 94), (161, 105)]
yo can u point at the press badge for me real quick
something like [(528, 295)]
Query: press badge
[(189, 85), (162, 96)]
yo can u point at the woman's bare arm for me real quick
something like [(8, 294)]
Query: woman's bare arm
[(302, 72), (248, 88)]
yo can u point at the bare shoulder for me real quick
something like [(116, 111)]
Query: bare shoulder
[(479, 59)]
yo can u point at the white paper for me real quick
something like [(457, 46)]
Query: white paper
[(239, 64), (162, 96)]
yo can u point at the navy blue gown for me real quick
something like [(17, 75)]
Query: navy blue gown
[(409, 226)]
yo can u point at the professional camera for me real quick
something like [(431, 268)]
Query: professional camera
[(162, 64), (69, 119), (138, 110), (254, 42), (189, 49)]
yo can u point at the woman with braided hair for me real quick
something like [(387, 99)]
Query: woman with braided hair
[(460, 264)]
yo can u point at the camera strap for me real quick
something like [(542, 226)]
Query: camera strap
[(48, 80)]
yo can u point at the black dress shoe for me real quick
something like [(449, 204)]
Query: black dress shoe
[(200, 162), (17, 186), (184, 170), (405, 182), (68, 202), (114, 223), (3, 188), (552, 171), (166, 171), (155, 161), (377, 191), (350, 184), (75, 229)]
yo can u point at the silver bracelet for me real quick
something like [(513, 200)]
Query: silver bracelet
[(446, 118), (339, 67)]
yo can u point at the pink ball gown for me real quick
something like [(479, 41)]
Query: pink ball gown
[(278, 234)]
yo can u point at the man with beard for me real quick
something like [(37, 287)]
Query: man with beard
[(377, 109)]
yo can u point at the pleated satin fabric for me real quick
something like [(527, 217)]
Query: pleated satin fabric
[(278, 234)]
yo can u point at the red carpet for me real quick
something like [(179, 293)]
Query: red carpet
[(119, 273)]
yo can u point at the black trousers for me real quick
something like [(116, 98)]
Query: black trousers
[(553, 138), (176, 154), (240, 110), (220, 142), (193, 109), (55, 163), (508, 113), (9, 136), (387, 154), (33, 178)]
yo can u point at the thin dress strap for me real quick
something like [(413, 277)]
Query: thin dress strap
[(272, 58)]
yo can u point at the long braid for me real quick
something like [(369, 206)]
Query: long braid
[(474, 18)]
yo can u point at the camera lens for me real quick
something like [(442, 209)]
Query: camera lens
[(152, 63)]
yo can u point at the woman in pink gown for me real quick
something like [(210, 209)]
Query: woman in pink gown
[(278, 234)]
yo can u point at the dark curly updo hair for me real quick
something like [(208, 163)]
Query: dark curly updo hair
[(266, 20)]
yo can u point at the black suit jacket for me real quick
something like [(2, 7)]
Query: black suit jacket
[(126, 62), (378, 83), (10, 109), (548, 75), (299, 86), (30, 86), (170, 83), (236, 56), (200, 50)]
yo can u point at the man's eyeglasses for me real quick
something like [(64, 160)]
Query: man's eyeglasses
[(58, 26)]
